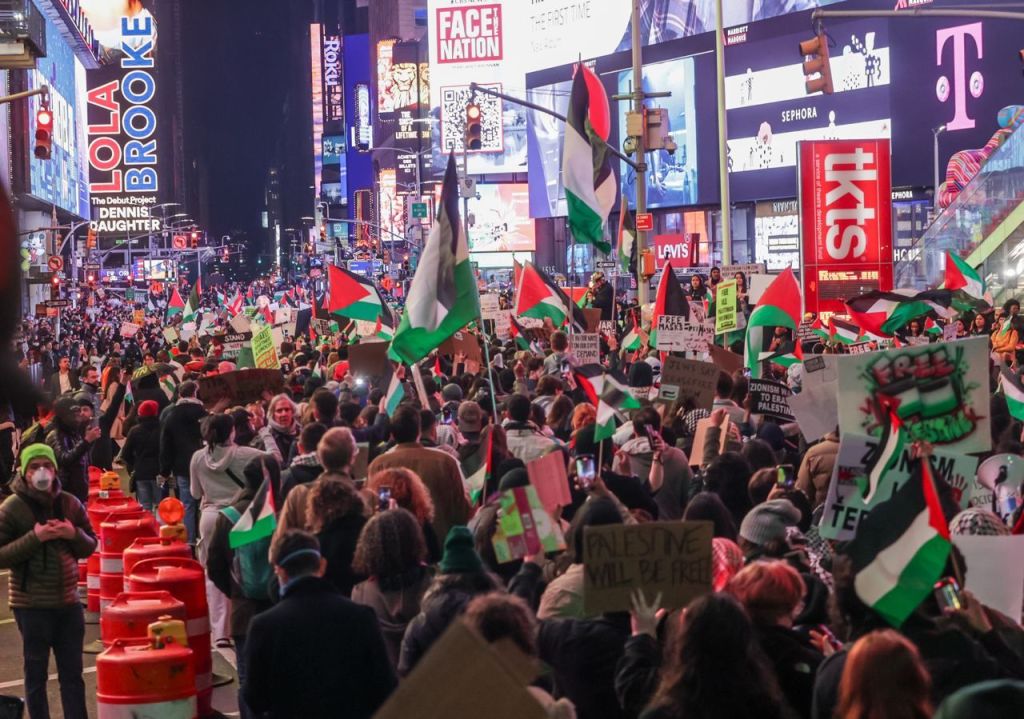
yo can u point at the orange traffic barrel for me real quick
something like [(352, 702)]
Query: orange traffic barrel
[(118, 535), (145, 678), (152, 547), (186, 581), (101, 507), (131, 613), (99, 512), (83, 581)]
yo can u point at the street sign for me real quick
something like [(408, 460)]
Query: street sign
[(179, 242), (419, 210), (607, 265), (55, 263), (129, 294), (644, 221), (57, 303)]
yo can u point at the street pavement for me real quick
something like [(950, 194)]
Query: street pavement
[(12, 676)]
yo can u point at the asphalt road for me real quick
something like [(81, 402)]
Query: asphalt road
[(12, 676)]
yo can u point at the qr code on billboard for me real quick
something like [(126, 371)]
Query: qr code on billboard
[(453, 118)]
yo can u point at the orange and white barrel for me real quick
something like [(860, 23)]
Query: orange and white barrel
[(118, 535), (131, 613), (136, 679)]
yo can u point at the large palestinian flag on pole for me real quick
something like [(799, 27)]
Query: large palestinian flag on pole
[(669, 300), (353, 296), (538, 296), (842, 331), (175, 305), (901, 548), (882, 313), (781, 305), (443, 297), (615, 400), (586, 161), (192, 306), (627, 239), (960, 276)]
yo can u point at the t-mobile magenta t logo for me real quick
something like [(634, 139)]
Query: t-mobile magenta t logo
[(959, 84)]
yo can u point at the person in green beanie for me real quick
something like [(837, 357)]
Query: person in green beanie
[(44, 531), (461, 577)]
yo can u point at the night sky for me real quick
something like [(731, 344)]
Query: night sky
[(236, 81)]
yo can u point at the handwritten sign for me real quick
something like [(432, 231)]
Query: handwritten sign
[(264, 351), (725, 307), (586, 347), (129, 329), (673, 558), (672, 333), (770, 398), (489, 306), (683, 379)]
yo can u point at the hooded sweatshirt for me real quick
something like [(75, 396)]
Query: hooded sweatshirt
[(635, 457), (44, 575), (211, 470)]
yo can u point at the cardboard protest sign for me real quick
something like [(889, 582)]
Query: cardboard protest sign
[(683, 379), (815, 407), (673, 558), (859, 348), (672, 333), (940, 392), (170, 335), (368, 359), (129, 329), (492, 675), (697, 451), (490, 307), (139, 317), (240, 386), (503, 326), (844, 504), (264, 351), (770, 398), (995, 573), (725, 307), (233, 343), (240, 323), (462, 343), (949, 332), (586, 347), (726, 360), (524, 526), (549, 477)]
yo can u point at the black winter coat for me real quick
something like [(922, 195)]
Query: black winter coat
[(338, 546), (141, 451), (796, 663), (316, 654), (180, 438), (72, 452), (295, 475)]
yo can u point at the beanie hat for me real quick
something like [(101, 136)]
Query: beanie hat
[(460, 556), (451, 393), (767, 521), (984, 700), (35, 451), (641, 374), (149, 408), (517, 477), (773, 435), (978, 522)]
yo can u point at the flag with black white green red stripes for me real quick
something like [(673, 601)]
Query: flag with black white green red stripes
[(615, 400), (1013, 391)]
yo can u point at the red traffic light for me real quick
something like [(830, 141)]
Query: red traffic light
[(44, 134), (818, 64), (474, 129), (55, 280)]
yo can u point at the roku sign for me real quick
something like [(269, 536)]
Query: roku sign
[(124, 148)]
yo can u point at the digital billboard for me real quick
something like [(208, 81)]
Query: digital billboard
[(105, 17), (334, 184), (769, 111), (317, 87), (777, 235), (671, 177), (499, 220), (545, 135), (124, 179), (61, 180)]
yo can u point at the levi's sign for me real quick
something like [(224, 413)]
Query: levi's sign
[(845, 219)]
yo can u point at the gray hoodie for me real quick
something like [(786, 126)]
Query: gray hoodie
[(210, 482), (634, 458)]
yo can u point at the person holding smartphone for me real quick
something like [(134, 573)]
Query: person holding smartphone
[(647, 451)]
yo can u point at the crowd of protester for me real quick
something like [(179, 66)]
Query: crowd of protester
[(380, 547)]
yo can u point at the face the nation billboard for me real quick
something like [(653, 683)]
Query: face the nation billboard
[(845, 220)]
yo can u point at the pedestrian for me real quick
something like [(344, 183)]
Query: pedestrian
[(315, 654), (180, 438), (884, 678), (71, 437), (336, 514), (44, 531), (141, 455), (281, 431), (404, 487)]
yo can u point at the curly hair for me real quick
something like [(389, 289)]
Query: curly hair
[(391, 546), (329, 499), (407, 489), (582, 415)]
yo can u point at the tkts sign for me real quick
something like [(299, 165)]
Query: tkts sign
[(845, 220)]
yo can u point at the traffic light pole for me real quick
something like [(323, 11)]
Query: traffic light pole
[(723, 135), (642, 283)]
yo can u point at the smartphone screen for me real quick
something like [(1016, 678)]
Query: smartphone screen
[(384, 498), (586, 471), (786, 476), (947, 594)]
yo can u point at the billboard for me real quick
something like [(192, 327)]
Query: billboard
[(845, 200), (768, 110), (334, 180), (499, 219), (62, 180), (317, 87), (124, 179), (777, 234), (105, 17), (333, 87)]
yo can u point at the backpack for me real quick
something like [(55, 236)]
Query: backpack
[(250, 564)]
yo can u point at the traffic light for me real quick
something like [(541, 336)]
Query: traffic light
[(474, 130), (91, 240), (323, 233), (55, 288), (195, 239), (44, 134), (818, 64)]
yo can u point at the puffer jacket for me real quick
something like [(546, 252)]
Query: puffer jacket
[(816, 470), (44, 575)]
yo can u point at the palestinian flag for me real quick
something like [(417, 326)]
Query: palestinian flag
[(259, 520), (590, 378), (192, 306), (1013, 391), (931, 327), (961, 276), (781, 305), (395, 394), (819, 329), (175, 305), (586, 161), (615, 399), (786, 355), (842, 332), (234, 307), (627, 239), (353, 296), (634, 339), (443, 297), (669, 300), (883, 312), (901, 548), (483, 460), (518, 333), (887, 458), (538, 296)]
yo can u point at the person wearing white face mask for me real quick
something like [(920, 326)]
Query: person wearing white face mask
[(44, 531)]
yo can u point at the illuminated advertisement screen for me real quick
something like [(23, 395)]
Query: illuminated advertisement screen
[(769, 111), (500, 219), (105, 18), (61, 180), (671, 177), (154, 269), (316, 83), (777, 234), (391, 208)]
